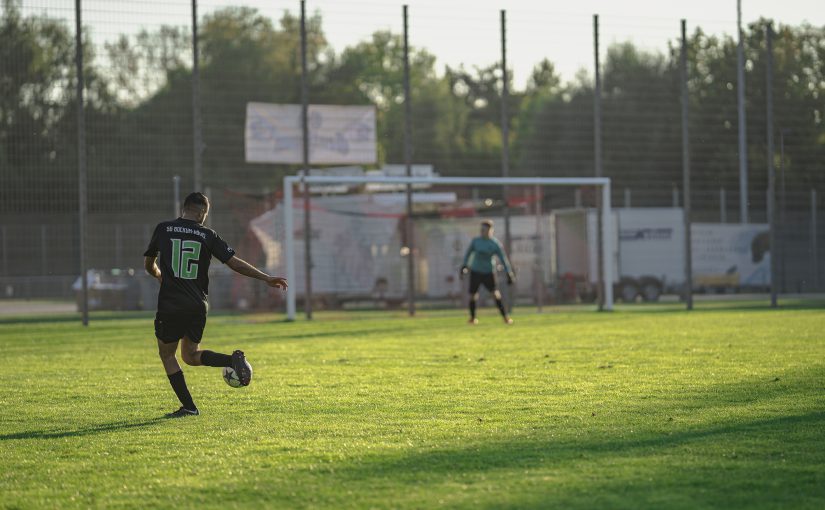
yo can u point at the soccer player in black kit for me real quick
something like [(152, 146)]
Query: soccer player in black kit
[(178, 256)]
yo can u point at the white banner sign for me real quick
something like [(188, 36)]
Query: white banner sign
[(337, 134), (730, 255)]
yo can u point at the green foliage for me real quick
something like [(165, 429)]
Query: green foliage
[(139, 111), (646, 407)]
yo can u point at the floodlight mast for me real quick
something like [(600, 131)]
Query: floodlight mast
[(600, 182)]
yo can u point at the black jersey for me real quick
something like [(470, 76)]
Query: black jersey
[(184, 249)]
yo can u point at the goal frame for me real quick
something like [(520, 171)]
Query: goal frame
[(603, 183)]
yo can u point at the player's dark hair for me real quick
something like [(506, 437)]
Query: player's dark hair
[(196, 200), (487, 223)]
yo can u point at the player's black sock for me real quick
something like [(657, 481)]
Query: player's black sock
[(472, 309), (501, 309), (215, 359), (179, 385)]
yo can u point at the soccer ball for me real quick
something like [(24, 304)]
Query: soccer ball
[(231, 377)]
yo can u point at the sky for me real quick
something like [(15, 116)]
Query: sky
[(561, 31), (468, 32)]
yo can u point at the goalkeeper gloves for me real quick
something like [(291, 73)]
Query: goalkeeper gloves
[(464, 270)]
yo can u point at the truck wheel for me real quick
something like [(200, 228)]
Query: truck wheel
[(628, 290), (651, 291)]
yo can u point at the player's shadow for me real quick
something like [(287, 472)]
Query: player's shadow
[(723, 306), (117, 426), (533, 452), (524, 453)]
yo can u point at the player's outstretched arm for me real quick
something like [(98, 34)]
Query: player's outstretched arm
[(243, 267), (151, 267)]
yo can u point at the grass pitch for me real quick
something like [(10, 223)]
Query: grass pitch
[(641, 408)]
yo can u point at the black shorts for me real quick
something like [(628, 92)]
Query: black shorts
[(171, 327), (479, 279)]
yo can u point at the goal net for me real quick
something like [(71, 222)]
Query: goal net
[(365, 250)]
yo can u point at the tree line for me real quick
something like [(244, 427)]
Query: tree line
[(139, 109)]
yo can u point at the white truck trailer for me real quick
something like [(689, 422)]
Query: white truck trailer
[(649, 254)]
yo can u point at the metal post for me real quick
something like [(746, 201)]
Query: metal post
[(176, 195), (118, 245), (723, 206), (289, 237), (197, 136), (211, 217), (505, 145), (408, 162), (44, 260), (81, 162), (771, 170), (305, 139), (814, 250), (607, 247), (743, 133), (783, 228), (5, 251), (539, 250), (675, 192), (686, 172), (597, 159), (627, 198)]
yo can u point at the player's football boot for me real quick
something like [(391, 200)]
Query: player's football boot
[(182, 413), (241, 367), (508, 320), (472, 322)]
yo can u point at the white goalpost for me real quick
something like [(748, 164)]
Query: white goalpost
[(603, 183)]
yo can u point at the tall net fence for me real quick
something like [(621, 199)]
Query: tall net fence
[(156, 125)]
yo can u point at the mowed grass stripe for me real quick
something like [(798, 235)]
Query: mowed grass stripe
[(643, 408)]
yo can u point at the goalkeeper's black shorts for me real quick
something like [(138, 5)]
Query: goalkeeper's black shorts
[(479, 279)]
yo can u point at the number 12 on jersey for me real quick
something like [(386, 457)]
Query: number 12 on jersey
[(185, 255)]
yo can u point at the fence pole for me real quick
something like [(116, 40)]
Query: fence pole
[(81, 163), (539, 249), (627, 198), (771, 170), (410, 242), (505, 146), (814, 251), (783, 225), (723, 206), (197, 135), (686, 171), (289, 237), (119, 246), (176, 195), (597, 161), (44, 258), (743, 134), (5, 251), (305, 139)]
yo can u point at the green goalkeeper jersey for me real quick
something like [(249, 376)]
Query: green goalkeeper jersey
[(480, 254)]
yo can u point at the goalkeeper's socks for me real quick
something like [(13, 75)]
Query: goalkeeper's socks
[(472, 309), (179, 385), (501, 309), (215, 359)]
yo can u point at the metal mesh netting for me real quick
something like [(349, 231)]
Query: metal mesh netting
[(143, 119)]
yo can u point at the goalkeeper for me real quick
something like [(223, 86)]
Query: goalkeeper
[(479, 263)]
